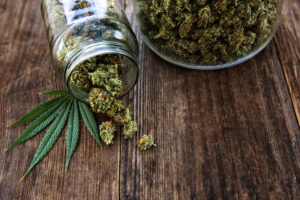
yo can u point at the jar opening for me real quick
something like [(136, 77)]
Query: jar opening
[(84, 57)]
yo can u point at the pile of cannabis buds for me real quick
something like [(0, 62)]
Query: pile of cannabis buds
[(207, 32), (100, 76)]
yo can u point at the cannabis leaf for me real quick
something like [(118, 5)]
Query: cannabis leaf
[(72, 133), (50, 137), (58, 111), (89, 121), (55, 92), (40, 123), (35, 112)]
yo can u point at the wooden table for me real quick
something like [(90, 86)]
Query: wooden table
[(226, 134)]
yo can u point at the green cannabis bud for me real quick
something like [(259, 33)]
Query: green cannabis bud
[(88, 65), (113, 59), (146, 142), (107, 132), (114, 86), (123, 117), (207, 32), (100, 100), (109, 80), (116, 107), (80, 80), (99, 77), (130, 129)]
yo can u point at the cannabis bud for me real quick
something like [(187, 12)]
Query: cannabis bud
[(107, 76), (81, 80), (146, 142), (107, 130), (130, 129), (123, 117), (116, 107), (100, 100)]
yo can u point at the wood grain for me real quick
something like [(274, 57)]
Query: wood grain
[(227, 134), (288, 42)]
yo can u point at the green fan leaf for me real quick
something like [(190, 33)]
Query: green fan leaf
[(56, 92), (72, 132), (36, 112), (50, 137), (89, 121), (40, 123)]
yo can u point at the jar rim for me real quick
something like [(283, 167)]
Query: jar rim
[(96, 49)]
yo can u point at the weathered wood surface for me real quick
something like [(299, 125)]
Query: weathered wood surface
[(288, 44), (227, 134)]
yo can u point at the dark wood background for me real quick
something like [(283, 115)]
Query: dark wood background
[(226, 134)]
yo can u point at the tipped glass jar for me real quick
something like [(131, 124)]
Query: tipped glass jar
[(87, 34), (204, 34)]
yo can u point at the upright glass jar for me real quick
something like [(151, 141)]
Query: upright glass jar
[(204, 34), (80, 30)]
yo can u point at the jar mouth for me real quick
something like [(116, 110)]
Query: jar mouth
[(129, 74)]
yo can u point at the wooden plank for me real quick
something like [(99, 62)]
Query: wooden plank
[(25, 70), (288, 44), (227, 134)]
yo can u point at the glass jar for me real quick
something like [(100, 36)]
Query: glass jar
[(81, 30), (205, 34)]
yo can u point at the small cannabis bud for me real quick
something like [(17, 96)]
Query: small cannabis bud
[(113, 59), (107, 77), (146, 142), (123, 117), (99, 77), (114, 86), (88, 65), (100, 100), (81, 80), (107, 130), (116, 107), (130, 129)]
